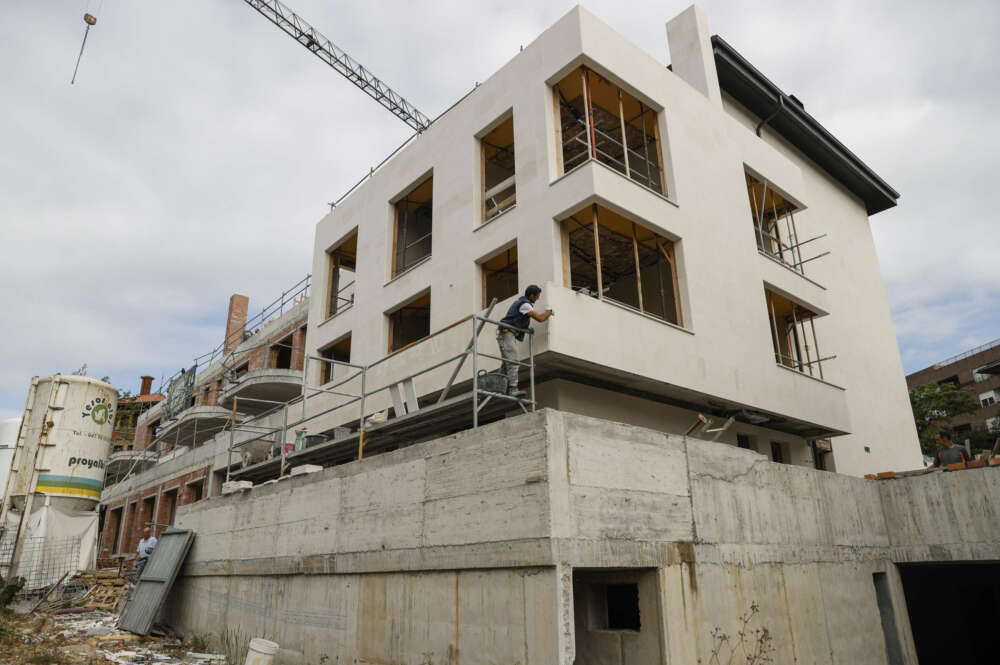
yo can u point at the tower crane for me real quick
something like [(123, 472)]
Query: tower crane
[(299, 30)]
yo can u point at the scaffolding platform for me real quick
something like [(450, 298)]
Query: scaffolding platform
[(435, 419)]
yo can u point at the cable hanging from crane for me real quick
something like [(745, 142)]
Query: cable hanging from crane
[(328, 52), (89, 20)]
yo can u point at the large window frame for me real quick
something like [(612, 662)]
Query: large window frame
[(775, 230), (413, 224), (499, 274), (340, 351), (596, 119), (342, 263), (790, 338), (610, 257), (497, 169), (413, 315)]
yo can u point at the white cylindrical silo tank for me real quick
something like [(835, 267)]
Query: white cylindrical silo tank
[(8, 440), (68, 423)]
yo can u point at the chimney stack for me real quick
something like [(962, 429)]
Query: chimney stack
[(691, 54), (147, 385), (236, 321)]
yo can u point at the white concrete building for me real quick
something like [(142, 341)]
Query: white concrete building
[(698, 293)]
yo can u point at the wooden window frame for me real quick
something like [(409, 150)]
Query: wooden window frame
[(665, 246)]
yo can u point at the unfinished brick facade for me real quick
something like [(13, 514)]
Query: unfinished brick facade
[(139, 508)]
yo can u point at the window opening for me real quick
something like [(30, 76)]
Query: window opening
[(499, 187), (170, 507), (197, 490), (790, 336), (613, 258), (410, 323), (988, 398), (500, 276), (598, 120), (744, 441), (777, 453), (241, 370), (412, 231), (343, 264), (774, 225), (117, 513), (281, 354), (339, 351), (623, 606)]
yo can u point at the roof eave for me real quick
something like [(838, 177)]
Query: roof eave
[(747, 85)]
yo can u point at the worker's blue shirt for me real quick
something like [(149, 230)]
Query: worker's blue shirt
[(518, 316)]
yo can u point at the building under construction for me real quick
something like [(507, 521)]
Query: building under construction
[(684, 473)]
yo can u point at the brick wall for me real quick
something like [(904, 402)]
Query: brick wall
[(137, 512)]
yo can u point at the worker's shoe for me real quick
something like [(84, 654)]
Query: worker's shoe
[(518, 394)]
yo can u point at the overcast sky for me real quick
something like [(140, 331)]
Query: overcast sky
[(200, 146)]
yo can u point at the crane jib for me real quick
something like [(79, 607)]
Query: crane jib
[(328, 52)]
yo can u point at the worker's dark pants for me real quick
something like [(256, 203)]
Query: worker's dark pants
[(139, 566), (508, 351)]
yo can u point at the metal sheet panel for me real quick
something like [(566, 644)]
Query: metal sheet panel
[(157, 578), (179, 393)]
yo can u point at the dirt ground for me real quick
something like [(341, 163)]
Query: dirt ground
[(89, 637)]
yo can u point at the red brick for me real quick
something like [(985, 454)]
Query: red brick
[(957, 466), (976, 463), (995, 461), (884, 475), (870, 476)]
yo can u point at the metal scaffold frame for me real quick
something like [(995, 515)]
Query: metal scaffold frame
[(406, 406)]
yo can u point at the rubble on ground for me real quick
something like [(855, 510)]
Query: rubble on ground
[(76, 624)]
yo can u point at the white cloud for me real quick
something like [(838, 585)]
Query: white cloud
[(200, 146)]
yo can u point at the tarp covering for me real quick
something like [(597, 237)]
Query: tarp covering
[(54, 541)]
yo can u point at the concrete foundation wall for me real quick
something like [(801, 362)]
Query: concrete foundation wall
[(473, 540)]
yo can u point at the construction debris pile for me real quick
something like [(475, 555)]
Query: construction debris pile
[(75, 622), (94, 589)]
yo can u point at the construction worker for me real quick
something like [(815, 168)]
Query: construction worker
[(948, 452), (519, 317), (145, 548)]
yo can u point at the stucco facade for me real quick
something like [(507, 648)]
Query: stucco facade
[(720, 357)]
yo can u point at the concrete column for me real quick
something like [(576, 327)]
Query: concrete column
[(691, 52), (236, 320)]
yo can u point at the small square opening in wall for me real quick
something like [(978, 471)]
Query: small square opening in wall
[(623, 606), (410, 323), (339, 351), (500, 275)]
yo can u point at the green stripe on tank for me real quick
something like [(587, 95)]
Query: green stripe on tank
[(70, 481)]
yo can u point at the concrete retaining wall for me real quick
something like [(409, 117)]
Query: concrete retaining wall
[(465, 548)]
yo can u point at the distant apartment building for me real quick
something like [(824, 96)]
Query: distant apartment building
[(977, 371), (258, 365)]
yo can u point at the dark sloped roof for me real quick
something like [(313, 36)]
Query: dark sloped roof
[(744, 83)]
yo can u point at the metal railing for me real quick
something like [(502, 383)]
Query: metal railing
[(355, 391), (969, 353), (272, 310)]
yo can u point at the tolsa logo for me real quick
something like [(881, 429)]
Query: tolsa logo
[(99, 409), (89, 463)]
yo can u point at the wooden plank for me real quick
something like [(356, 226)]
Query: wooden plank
[(589, 106), (566, 268), (628, 173), (597, 255), (659, 152), (561, 165), (816, 346), (635, 250)]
